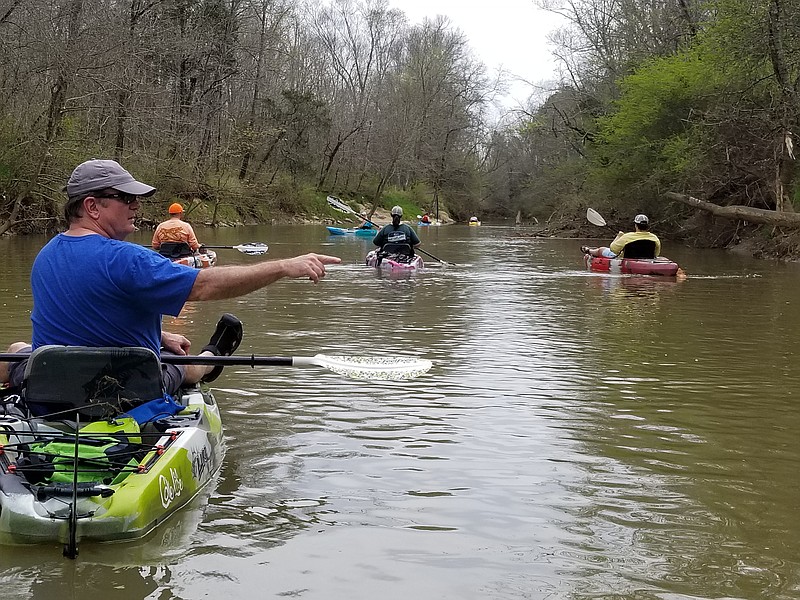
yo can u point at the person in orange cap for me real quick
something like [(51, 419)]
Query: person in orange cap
[(175, 234)]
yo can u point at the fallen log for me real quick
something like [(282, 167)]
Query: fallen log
[(743, 213)]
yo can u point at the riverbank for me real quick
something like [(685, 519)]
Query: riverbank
[(198, 216), (700, 230), (320, 213)]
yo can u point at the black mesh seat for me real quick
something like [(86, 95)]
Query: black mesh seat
[(394, 248), (175, 249), (639, 249), (96, 383)]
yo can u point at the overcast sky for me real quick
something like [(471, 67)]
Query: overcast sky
[(502, 33)]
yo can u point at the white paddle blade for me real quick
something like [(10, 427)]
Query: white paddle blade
[(339, 205), (253, 249), (595, 218), (386, 368)]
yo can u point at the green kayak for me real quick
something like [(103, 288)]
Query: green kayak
[(92, 449)]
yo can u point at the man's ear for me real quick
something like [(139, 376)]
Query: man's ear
[(91, 207)]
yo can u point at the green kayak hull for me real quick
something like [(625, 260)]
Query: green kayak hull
[(168, 465)]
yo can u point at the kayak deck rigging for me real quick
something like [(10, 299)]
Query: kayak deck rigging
[(99, 461)]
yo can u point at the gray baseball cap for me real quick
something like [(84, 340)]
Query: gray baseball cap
[(97, 174), (641, 220), (396, 210)]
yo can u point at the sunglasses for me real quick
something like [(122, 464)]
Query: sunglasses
[(124, 198)]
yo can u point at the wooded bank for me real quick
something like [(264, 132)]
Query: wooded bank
[(261, 108)]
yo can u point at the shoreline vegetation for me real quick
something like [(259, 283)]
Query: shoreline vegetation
[(318, 212), (687, 115), (764, 235)]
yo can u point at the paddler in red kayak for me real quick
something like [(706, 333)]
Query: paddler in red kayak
[(639, 243)]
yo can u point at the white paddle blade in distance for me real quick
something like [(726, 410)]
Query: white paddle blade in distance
[(253, 249), (339, 205), (595, 218), (385, 368)]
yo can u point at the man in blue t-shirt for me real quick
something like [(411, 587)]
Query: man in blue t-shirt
[(91, 288), (396, 238)]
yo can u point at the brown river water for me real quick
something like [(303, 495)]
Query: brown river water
[(579, 435)]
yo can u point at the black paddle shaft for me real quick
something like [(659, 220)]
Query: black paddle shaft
[(248, 361)]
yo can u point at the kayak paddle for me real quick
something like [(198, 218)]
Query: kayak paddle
[(386, 368), (252, 248), (339, 205), (595, 218), (444, 262)]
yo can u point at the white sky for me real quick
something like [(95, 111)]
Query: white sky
[(502, 33)]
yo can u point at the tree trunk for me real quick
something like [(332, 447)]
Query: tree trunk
[(122, 117), (744, 213), (785, 168), (269, 152), (12, 218), (332, 155)]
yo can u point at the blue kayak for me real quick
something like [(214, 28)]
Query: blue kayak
[(352, 231)]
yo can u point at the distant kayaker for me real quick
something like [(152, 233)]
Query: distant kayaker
[(639, 243), (91, 288), (175, 231), (396, 238), (426, 218)]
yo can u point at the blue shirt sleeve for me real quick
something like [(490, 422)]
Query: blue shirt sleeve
[(152, 280)]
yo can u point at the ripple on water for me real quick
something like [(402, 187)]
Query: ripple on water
[(579, 436)]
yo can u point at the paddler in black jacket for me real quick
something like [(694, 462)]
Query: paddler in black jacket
[(396, 238)]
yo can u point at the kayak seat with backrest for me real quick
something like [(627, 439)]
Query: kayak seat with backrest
[(390, 249), (639, 249), (94, 383), (175, 249)]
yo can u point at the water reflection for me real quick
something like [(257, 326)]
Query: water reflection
[(623, 287), (133, 569), (580, 436)]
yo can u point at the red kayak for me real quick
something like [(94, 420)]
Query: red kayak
[(633, 266)]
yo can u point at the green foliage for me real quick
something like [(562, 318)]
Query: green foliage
[(308, 202), (649, 139), (736, 40), (408, 200), (318, 205), (284, 194), (393, 197), (532, 127), (709, 117), (420, 195)]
